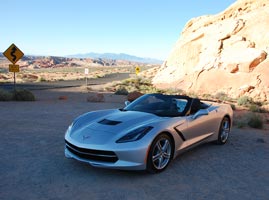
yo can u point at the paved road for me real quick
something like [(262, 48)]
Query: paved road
[(33, 166), (61, 84)]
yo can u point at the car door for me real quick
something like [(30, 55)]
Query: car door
[(200, 126)]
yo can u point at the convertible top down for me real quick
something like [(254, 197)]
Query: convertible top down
[(148, 133)]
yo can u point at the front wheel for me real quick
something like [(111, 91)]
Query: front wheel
[(160, 154), (224, 130)]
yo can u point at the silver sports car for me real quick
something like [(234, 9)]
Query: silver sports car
[(148, 133)]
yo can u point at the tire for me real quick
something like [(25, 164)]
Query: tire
[(160, 153), (224, 130)]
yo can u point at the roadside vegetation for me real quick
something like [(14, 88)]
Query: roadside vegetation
[(133, 84), (253, 120), (17, 95)]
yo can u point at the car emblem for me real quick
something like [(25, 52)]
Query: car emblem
[(85, 137)]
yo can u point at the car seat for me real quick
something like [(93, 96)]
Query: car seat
[(195, 106)]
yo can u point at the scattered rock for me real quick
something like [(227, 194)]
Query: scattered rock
[(62, 98), (133, 95)]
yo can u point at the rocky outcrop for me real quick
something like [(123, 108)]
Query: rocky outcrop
[(226, 53)]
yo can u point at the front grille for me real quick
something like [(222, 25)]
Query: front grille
[(92, 154)]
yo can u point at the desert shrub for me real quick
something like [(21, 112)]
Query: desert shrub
[(248, 102), (5, 95), (233, 106), (255, 121), (221, 96), (17, 95), (207, 96), (135, 84), (153, 90), (193, 94), (240, 123), (99, 76), (121, 90), (255, 108), (23, 95), (41, 79), (244, 101), (174, 91), (250, 119)]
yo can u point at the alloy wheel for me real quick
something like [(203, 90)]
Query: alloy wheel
[(161, 153)]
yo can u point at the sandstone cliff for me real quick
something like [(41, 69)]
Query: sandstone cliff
[(227, 52)]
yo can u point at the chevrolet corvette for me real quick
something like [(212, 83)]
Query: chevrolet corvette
[(147, 133)]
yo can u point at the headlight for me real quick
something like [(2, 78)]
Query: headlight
[(135, 135)]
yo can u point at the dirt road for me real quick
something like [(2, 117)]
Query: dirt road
[(33, 166)]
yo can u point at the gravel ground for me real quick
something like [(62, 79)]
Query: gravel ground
[(33, 165)]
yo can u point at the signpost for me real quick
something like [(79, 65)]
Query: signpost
[(14, 68), (13, 54), (86, 75)]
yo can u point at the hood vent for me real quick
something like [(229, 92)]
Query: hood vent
[(109, 122)]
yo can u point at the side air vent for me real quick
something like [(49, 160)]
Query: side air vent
[(109, 122)]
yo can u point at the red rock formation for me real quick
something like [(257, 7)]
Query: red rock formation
[(222, 53)]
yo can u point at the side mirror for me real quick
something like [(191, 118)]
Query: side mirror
[(127, 103), (200, 113)]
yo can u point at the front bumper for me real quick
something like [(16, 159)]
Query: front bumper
[(125, 158)]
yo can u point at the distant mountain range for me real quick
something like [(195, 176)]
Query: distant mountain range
[(120, 56)]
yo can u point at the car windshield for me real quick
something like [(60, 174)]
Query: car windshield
[(161, 105)]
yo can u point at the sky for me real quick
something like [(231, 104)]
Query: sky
[(144, 28)]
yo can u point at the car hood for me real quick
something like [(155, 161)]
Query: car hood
[(109, 126)]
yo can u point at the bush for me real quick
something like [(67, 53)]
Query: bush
[(121, 91), (240, 124), (5, 95), (23, 95), (138, 84), (221, 96), (233, 106), (18, 95), (244, 101), (255, 108), (255, 121), (174, 91), (193, 94), (248, 102), (250, 119), (207, 96), (41, 79)]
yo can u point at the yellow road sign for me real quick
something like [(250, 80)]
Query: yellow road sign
[(13, 53), (14, 68), (137, 70)]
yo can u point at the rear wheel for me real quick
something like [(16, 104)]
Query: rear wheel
[(224, 130), (160, 153)]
